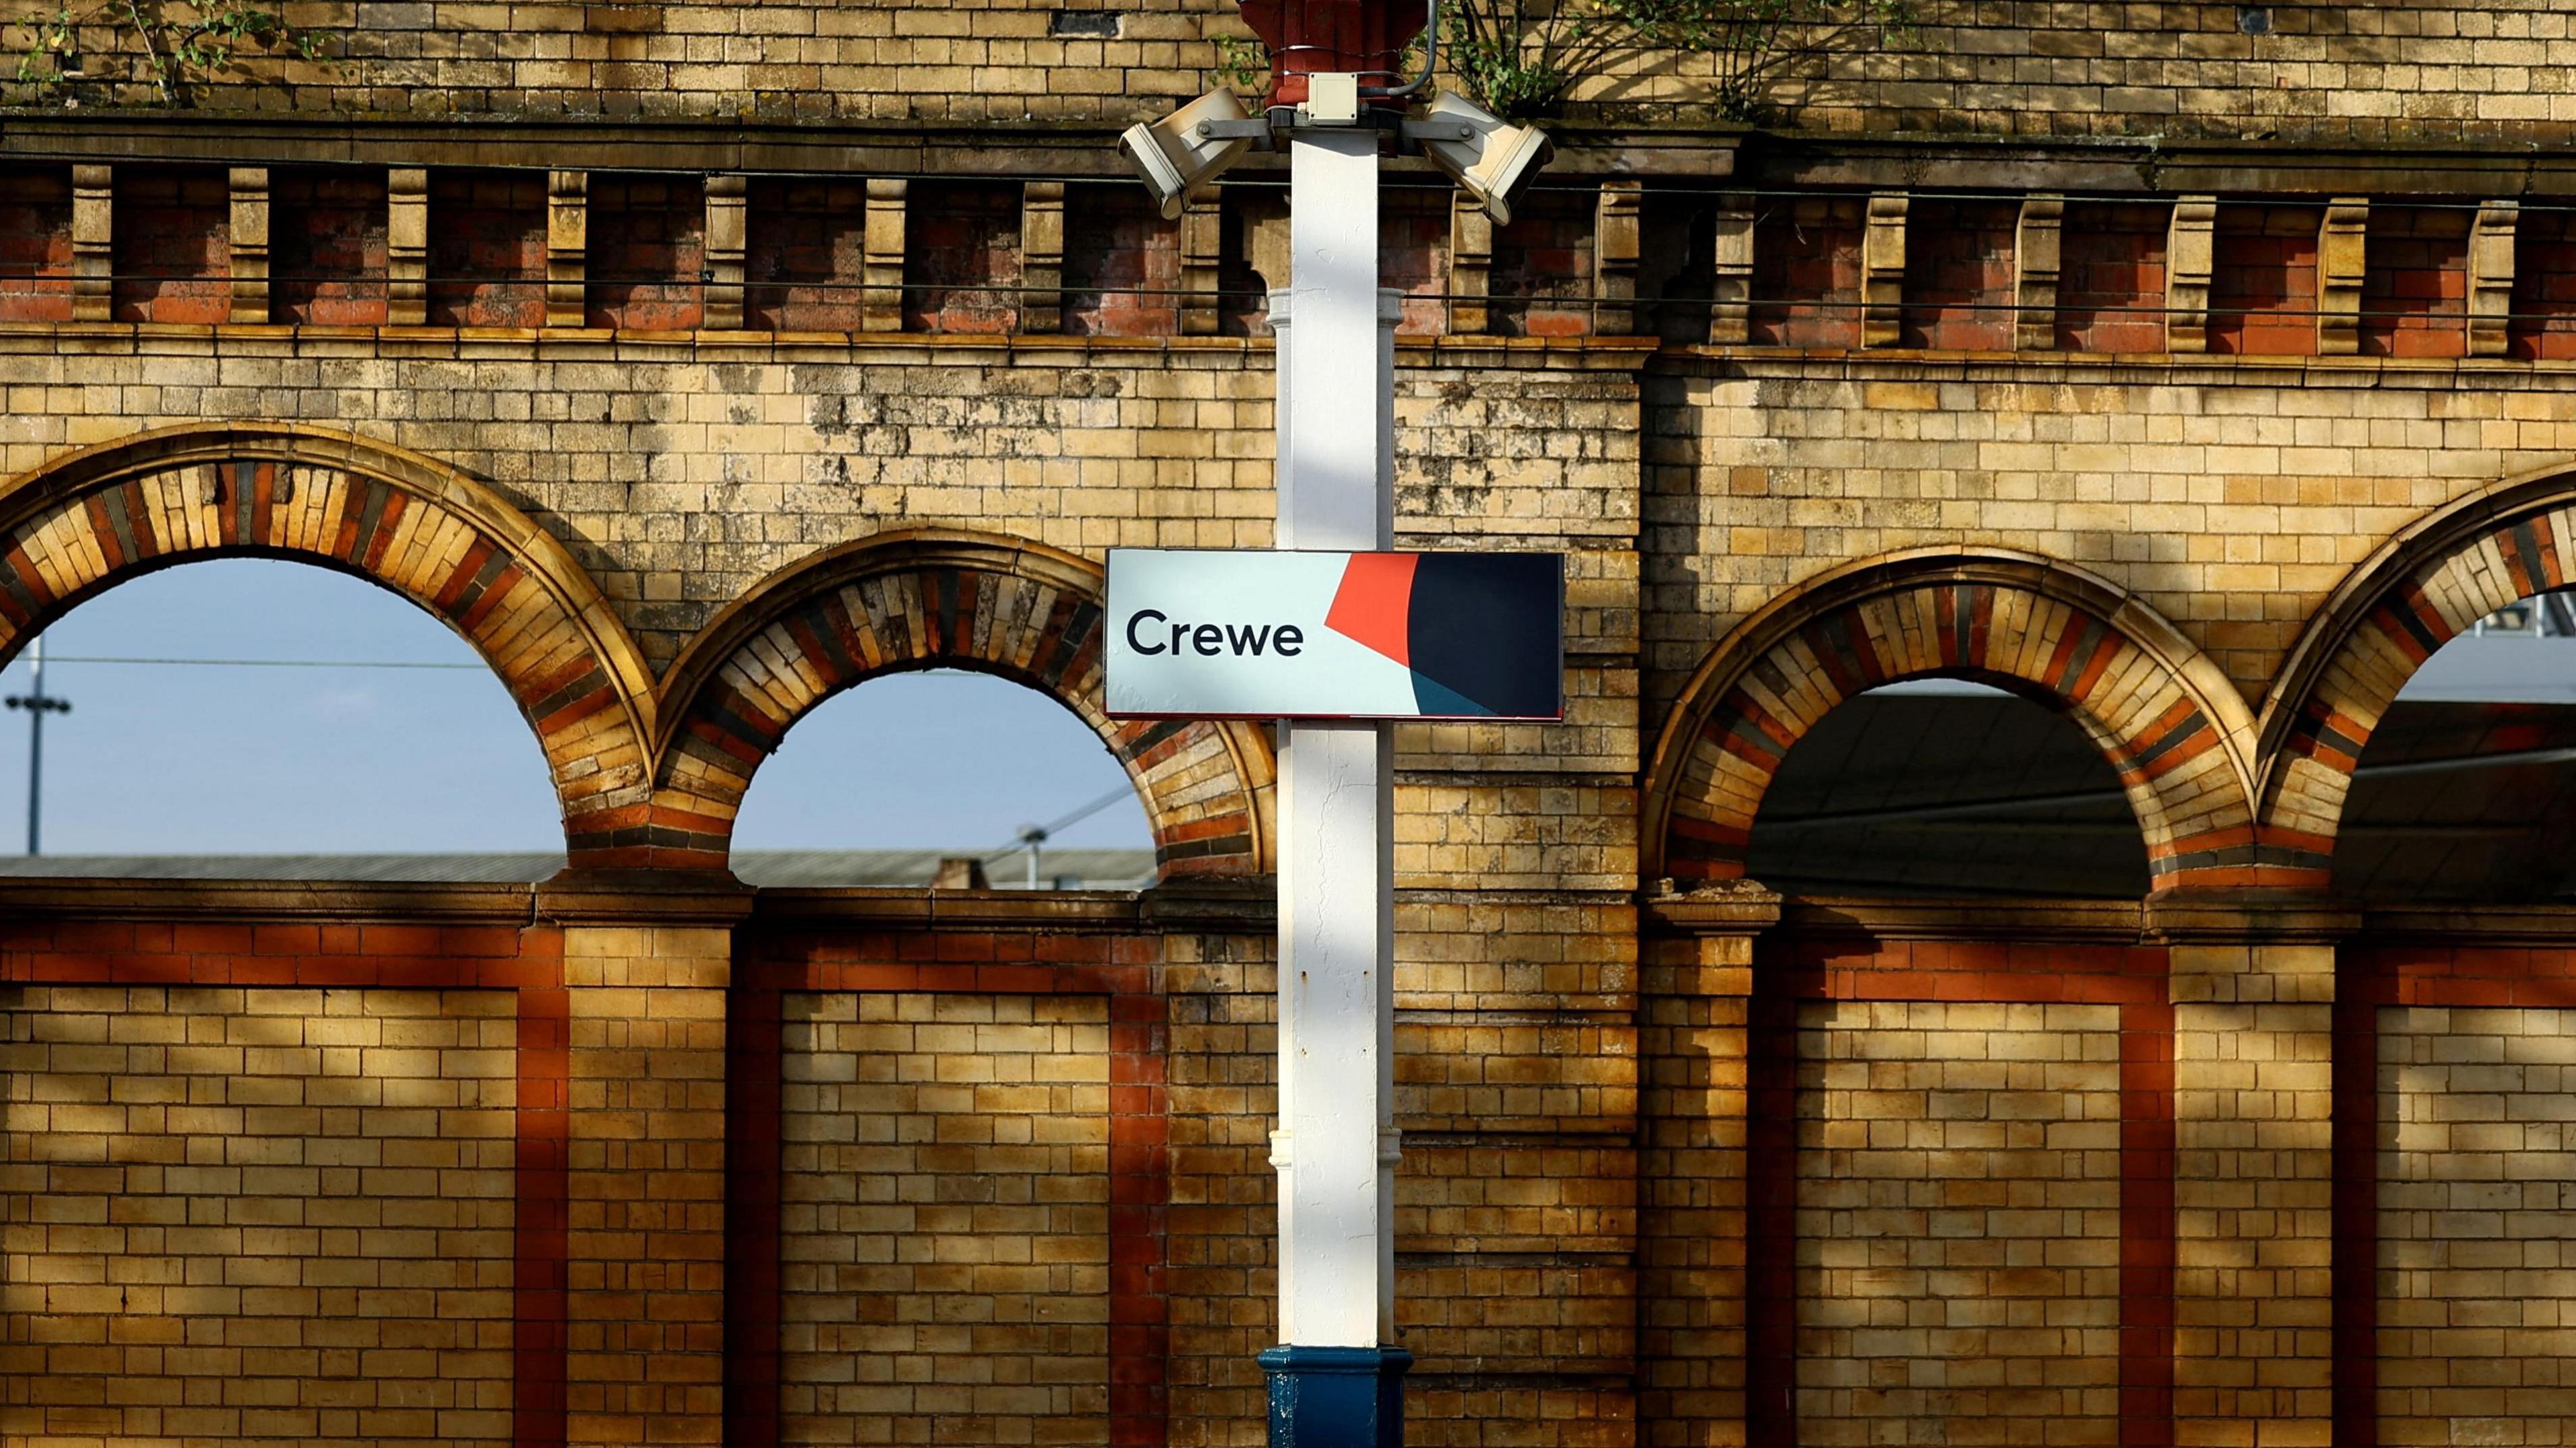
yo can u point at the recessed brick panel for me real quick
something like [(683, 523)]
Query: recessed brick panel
[(487, 248), (2263, 281), (273, 1215), (1122, 264), (2415, 286), (36, 244), (1541, 282), (1806, 271), (2544, 284), (961, 256), (327, 255), (647, 237), (2111, 277), (806, 254), (1413, 254), (173, 245), (1959, 274), (945, 1188)]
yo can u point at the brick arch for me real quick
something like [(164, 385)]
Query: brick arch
[(2418, 590), (919, 598), (86, 522), (2165, 717)]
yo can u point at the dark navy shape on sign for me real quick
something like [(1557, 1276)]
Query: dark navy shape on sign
[(1488, 627)]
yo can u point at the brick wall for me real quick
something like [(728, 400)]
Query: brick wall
[(1414, 251), (258, 1214), (2473, 1341), (1122, 264), (1541, 280), (946, 1229), (327, 247), (2544, 284), (1959, 1210), (487, 249), (647, 244), (36, 244), (172, 256)]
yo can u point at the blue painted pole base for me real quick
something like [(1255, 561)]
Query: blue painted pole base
[(1336, 1397)]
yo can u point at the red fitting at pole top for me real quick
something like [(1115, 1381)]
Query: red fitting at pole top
[(1314, 37)]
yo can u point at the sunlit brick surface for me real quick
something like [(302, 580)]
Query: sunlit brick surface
[(2477, 1271), (1958, 1223), (946, 1219), (257, 1215)]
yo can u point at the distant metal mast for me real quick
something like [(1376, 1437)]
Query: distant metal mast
[(38, 704)]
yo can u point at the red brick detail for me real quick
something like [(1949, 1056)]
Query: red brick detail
[(805, 255), (1140, 1194), (1959, 275), (2415, 284), (1859, 968), (1122, 265), (541, 1277), (36, 245), (1771, 1222), (2355, 1268), (1541, 277), (962, 256), (2471, 976), (2263, 281), (2111, 277), (173, 245), (487, 248), (2147, 1254), (647, 246), (753, 1175), (1413, 256), (327, 247), (1806, 272), (2544, 285)]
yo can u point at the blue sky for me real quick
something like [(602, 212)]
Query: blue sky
[(174, 759)]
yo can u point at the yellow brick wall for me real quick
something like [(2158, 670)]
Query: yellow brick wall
[(1958, 1223), (945, 1233), (260, 1214), (2477, 1312)]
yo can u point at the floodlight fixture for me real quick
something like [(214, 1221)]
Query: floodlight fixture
[(1490, 158), (1181, 155)]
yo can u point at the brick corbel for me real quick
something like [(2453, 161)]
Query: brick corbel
[(249, 244), (2190, 258), (407, 246), (1471, 265), (567, 247), (2342, 244), (2035, 272), (1730, 285), (2491, 238), (881, 268), (727, 239), (1042, 256), (1614, 258), (93, 242), (1202, 235), (1882, 270)]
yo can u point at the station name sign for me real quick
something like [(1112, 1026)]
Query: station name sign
[(1285, 635)]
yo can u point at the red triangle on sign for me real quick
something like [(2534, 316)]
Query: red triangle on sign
[(1374, 604)]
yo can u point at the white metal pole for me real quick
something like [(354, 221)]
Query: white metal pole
[(1334, 1149)]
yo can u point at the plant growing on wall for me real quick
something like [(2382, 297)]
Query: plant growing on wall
[(175, 47), (1521, 59)]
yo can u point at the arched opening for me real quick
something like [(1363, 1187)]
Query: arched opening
[(258, 718), (940, 777), (2464, 791), (1947, 787)]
